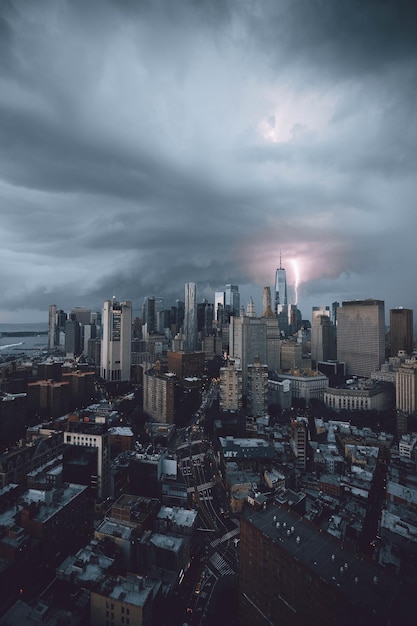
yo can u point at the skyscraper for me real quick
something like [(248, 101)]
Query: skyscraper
[(401, 330), (116, 345), (323, 338), (257, 388), (361, 336), (52, 327), (230, 392), (190, 317), (219, 304), (254, 337), (280, 288), (281, 300), (266, 302), (232, 299)]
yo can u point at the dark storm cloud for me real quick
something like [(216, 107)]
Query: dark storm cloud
[(147, 144)]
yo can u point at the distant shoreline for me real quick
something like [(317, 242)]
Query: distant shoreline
[(22, 333)]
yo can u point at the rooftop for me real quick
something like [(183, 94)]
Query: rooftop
[(360, 579)]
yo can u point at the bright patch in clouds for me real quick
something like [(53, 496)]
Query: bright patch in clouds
[(295, 114)]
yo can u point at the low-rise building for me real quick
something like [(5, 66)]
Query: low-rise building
[(362, 395), (306, 384)]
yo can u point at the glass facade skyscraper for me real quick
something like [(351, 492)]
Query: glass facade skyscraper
[(190, 317)]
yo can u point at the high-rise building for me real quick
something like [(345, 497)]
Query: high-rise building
[(250, 308), (335, 306), (406, 387), (87, 457), (149, 314), (319, 310), (401, 330), (81, 314), (266, 302), (116, 345), (52, 327), (230, 391), (158, 395), (323, 339), (219, 306), (190, 317), (280, 288), (299, 442), (257, 389), (361, 336), (73, 336), (247, 341), (232, 299)]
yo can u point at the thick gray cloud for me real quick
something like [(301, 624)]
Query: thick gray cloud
[(147, 144)]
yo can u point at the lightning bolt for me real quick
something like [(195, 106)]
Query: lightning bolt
[(297, 278)]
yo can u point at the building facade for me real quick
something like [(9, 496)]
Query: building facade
[(248, 340), (406, 387), (306, 384), (158, 395), (360, 396), (292, 574), (230, 391), (401, 331), (52, 327), (361, 336), (232, 299), (323, 339), (257, 393), (190, 317), (116, 345)]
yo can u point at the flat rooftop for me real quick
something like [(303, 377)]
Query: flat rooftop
[(368, 587)]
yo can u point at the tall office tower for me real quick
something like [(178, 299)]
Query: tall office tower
[(273, 343), (116, 344), (205, 318), (232, 299), (208, 319), (190, 318), (266, 302), (335, 306), (61, 320), (179, 315), (280, 288), (406, 387), (257, 389), (248, 340), (323, 339), (230, 391), (219, 304), (294, 319), (52, 327), (81, 314), (250, 308), (149, 314), (73, 336), (89, 331), (319, 310), (401, 331), (361, 336)]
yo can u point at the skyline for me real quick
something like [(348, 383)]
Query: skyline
[(149, 145)]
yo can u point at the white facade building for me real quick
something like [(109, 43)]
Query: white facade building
[(116, 345)]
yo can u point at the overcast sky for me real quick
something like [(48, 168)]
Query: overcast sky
[(145, 144)]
